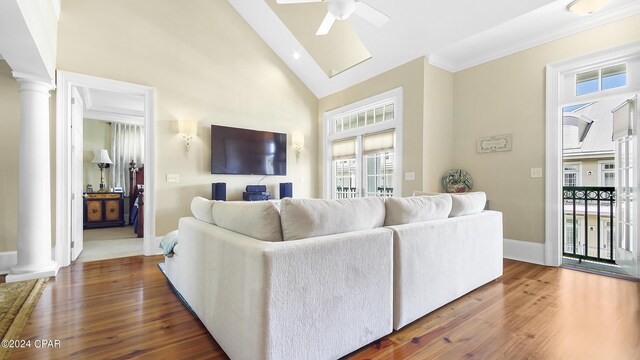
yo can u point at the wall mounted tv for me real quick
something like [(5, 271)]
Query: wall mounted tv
[(247, 152)]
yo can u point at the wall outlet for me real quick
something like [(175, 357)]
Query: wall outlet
[(409, 176), (173, 178), (536, 173)]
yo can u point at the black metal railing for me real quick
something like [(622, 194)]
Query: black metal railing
[(581, 238)]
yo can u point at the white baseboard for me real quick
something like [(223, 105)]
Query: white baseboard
[(526, 251), (8, 259)]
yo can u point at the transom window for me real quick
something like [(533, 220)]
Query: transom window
[(363, 117), (604, 78)]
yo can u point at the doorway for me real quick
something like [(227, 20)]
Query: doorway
[(104, 136), (584, 163)]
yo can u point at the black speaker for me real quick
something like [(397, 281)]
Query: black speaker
[(219, 191), (286, 190)]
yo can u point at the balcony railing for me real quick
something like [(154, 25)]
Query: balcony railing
[(587, 230)]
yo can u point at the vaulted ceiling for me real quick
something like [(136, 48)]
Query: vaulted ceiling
[(453, 35)]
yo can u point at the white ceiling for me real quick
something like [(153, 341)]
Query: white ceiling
[(112, 106), (453, 35)]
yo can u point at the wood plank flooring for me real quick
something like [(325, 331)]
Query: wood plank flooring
[(124, 308)]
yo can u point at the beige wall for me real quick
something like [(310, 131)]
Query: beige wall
[(9, 133), (206, 63), (437, 137), (507, 96), (427, 123), (96, 136)]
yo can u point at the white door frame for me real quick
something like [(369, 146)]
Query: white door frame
[(553, 135), (65, 82)]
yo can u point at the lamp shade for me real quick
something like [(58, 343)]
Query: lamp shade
[(297, 140), (188, 127), (102, 157)]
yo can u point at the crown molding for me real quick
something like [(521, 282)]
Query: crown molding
[(441, 63), (590, 23)]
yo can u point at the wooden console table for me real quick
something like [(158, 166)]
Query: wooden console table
[(103, 210)]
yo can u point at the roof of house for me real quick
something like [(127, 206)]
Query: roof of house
[(597, 140)]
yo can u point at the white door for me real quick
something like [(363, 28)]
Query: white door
[(77, 206), (627, 219)]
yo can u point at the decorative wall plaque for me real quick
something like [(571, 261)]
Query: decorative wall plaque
[(494, 143)]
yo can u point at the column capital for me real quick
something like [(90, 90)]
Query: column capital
[(33, 82)]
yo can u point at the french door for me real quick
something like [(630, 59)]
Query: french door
[(366, 167), (627, 220)]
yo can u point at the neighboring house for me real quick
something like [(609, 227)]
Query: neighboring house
[(588, 161)]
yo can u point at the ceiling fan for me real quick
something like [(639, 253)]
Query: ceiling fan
[(342, 10)]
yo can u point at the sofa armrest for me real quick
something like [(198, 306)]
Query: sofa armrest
[(436, 262), (315, 298)]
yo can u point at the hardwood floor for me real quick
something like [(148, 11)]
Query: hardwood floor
[(123, 308)]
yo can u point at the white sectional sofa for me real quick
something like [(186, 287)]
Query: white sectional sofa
[(322, 278)]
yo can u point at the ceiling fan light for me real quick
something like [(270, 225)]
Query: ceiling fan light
[(342, 9), (586, 7)]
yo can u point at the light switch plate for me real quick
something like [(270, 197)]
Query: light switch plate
[(536, 172), (173, 178), (409, 176)]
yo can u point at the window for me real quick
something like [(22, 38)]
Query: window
[(364, 117), (604, 78), (625, 183), (571, 174), (608, 174), (605, 237), (364, 148), (569, 234)]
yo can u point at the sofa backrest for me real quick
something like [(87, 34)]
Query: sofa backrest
[(467, 203), (202, 209), (259, 219), (406, 210), (304, 218)]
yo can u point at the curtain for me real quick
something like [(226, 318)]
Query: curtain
[(127, 144)]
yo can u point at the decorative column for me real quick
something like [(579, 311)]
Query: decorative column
[(34, 188)]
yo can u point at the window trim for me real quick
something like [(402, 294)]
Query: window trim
[(329, 135), (579, 177), (601, 172)]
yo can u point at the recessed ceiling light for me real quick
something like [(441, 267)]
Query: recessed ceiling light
[(296, 55), (586, 7)]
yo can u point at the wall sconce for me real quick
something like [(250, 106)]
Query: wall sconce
[(297, 141), (188, 129), (103, 161)]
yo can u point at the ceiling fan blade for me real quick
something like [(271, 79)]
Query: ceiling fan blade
[(326, 25), (297, 1), (370, 14)]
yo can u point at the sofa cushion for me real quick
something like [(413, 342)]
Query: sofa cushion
[(202, 209), (468, 203), (304, 218), (416, 209), (259, 219)]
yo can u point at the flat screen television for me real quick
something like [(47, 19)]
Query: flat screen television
[(247, 152)]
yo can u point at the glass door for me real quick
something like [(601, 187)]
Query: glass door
[(627, 220)]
